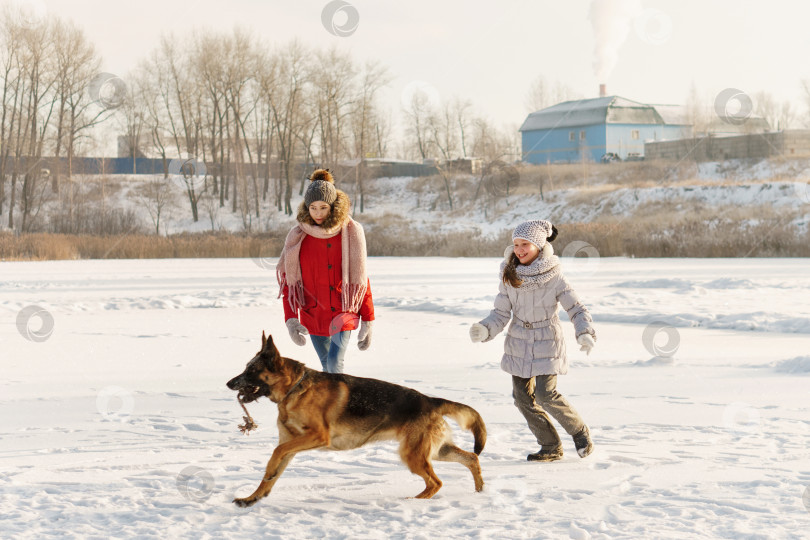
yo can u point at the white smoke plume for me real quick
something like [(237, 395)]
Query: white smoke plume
[(611, 21)]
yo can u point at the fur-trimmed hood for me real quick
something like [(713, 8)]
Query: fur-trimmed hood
[(341, 212)]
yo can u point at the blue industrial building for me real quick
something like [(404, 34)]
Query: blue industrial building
[(588, 129)]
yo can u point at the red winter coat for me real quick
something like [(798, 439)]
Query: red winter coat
[(321, 274)]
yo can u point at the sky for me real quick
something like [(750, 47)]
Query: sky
[(652, 51)]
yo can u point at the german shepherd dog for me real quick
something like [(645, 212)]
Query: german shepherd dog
[(331, 411)]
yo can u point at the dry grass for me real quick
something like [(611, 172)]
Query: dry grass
[(651, 237), (43, 246), (660, 229), (690, 237), (389, 236)]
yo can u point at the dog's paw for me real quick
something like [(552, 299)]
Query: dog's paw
[(244, 503)]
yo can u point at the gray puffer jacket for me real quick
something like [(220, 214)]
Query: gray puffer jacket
[(534, 341)]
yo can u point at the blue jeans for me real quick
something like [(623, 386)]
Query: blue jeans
[(331, 350)]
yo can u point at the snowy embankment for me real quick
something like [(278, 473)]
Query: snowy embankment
[(413, 204), (759, 189), (586, 206), (115, 420)]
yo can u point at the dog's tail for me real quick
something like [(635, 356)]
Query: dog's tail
[(468, 418)]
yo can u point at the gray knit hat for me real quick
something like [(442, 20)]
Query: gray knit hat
[(536, 231), (322, 188)]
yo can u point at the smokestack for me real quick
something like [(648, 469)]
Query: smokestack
[(602, 90)]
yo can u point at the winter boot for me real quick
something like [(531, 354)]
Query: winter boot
[(582, 441), (552, 453)]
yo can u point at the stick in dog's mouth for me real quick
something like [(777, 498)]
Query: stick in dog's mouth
[(249, 424)]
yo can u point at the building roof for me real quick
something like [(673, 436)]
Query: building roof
[(602, 110)]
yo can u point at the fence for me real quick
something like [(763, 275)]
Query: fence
[(789, 143), (89, 165)]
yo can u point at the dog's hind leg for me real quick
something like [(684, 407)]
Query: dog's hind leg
[(416, 455), (424, 469), (450, 452)]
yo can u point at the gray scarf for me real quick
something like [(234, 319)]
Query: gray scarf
[(540, 271)]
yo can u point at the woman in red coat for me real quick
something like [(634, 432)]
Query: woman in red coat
[(322, 274)]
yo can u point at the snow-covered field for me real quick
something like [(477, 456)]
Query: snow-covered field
[(115, 420)]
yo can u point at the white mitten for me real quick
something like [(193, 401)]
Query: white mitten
[(478, 332), (297, 331), (586, 341), (364, 335)]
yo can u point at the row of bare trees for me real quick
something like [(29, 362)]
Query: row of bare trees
[(236, 120), (251, 113), (47, 67)]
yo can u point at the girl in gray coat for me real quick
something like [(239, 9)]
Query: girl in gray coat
[(531, 287)]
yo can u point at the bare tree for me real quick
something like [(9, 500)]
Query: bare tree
[(779, 115), (417, 114), (698, 112), (38, 76), (787, 115), (544, 93), (149, 85), (444, 135), (242, 97), (494, 146), (211, 206), (286, 94), (489, 142), (157, 197), (181, 102), (209, 57), (332, 79), (767, 107), (382, 134), (12, 71), (132, 120), (77, 63), (373, 77), (461, 110)]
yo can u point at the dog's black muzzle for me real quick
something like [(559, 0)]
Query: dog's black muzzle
[(237, 383), (248, 390)]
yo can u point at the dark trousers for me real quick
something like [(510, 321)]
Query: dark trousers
[(536, 398)]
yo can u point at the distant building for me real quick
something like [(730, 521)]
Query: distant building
[(588, 129), (386, 167), (464, 165)]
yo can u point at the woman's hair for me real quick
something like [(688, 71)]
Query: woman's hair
[(510, 276)]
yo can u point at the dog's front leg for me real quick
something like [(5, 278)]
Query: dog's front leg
[(280, 459), (268, 481)]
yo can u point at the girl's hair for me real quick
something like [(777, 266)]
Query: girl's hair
[(510, 276)]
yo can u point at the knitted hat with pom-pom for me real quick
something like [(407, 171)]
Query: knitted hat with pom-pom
[(321, 188), (536, 231)]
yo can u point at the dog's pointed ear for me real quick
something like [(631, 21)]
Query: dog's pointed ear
[(267, 343)]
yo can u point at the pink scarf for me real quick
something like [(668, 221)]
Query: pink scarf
[(353, 255)]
